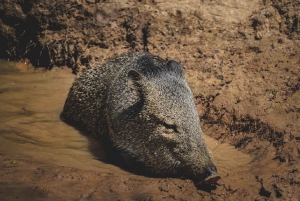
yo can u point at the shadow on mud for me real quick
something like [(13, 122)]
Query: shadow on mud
[(206, 187)]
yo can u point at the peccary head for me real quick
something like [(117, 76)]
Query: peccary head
[(158, 124)]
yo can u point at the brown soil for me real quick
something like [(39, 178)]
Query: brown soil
[(242, 60), (44, 158)]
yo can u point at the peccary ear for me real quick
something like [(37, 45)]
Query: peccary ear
[(135, 82), (173, 66)]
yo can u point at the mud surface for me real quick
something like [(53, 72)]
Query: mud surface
[(242, 60), (46, 159)]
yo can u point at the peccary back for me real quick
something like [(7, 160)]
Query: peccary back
[(143, 106)]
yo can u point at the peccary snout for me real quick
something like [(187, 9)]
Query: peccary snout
[(210, 176), (199, 166)]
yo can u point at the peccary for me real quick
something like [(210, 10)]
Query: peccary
[(142, 106)]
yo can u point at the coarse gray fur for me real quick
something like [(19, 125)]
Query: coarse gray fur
[(144, 107)]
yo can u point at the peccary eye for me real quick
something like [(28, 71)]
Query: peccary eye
[(170, 128)]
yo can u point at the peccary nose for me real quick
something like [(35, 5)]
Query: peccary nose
[(207, 176), (212, 176)]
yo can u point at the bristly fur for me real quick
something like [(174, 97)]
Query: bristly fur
[(142, 106)]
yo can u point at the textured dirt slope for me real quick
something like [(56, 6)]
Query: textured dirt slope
[(242, 61)]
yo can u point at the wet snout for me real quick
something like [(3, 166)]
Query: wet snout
[(208, 176), (212, 177)]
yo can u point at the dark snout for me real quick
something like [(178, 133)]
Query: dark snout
[(208, 176), (212, 176)]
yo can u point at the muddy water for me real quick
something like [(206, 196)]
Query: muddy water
[(30, 127)]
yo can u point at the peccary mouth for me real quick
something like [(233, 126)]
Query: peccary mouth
[(212, 179), (209, 177), (212, 176)]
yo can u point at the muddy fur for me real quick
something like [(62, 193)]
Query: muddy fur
[(144, 108)]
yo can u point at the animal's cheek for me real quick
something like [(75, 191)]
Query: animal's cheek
[(180, 152)]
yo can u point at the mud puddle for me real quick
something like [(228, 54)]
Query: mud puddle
[(32, 137)]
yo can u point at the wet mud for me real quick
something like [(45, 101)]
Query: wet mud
[(43, 158)]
